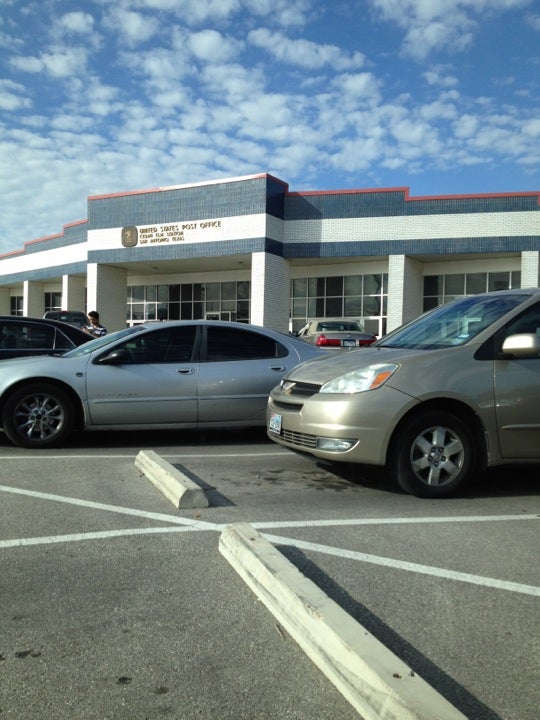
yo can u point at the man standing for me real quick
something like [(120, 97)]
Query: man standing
[(95, 328)]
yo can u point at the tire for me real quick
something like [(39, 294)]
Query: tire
[(38, 416), (433, 455)]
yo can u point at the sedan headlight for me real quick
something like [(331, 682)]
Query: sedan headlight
[(367, 378)]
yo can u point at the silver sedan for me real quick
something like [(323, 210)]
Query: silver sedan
[(182, 374)]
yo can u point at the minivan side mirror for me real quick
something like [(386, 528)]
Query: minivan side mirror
[(524, 345)]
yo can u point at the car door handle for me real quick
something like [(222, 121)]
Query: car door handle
[(186, 371), (277, 368)]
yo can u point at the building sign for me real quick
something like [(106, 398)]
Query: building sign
[(169, 233)]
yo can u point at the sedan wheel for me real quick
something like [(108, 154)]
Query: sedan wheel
[(38, 416), (433, 455)]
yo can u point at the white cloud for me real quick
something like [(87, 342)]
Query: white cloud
[(12, 96), (77, 22), (212, 47), (304, 53), (131, 28), (440, 25)]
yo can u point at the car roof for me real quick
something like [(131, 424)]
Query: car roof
[(66, 327)]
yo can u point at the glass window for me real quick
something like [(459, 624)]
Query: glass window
[(299, 287), (168, 344), (433, 285), (334, 307), (212, 291), (228, 291), (454, 284), (226, 344), (475, 283), (353, 285), (499, 281), (372, 284), (352, 306), (137, 292), (334, 286)]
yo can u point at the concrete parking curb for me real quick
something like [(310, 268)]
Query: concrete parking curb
[(374, 680), (176, 486)]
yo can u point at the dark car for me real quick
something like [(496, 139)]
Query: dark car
[(25, 336)]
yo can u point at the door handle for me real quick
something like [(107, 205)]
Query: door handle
[(277, 368), (186, 371)]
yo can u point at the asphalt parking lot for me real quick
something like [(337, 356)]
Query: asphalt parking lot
[(117, 605)]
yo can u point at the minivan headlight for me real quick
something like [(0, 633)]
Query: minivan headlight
[(366, 378)]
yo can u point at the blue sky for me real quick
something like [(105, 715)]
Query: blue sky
[(99, 96)]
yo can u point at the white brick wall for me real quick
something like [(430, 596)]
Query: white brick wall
[(414, 227)]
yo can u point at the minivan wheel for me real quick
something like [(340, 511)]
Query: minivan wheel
[(432, 455), (38, 416)]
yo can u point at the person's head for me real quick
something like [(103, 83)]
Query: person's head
[(93, 316)]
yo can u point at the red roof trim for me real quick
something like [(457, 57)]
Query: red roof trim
[(417, 198)]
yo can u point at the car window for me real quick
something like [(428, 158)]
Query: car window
[(527, 322), (452, 324), (62, 342), (339, 327), (27, 336), (224, 343), (166, 345)]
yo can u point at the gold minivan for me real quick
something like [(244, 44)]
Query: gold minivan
[(454, 391)]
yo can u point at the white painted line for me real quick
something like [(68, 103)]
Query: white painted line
[(100, 535), (409, 566), (109, 508), (392, 521), (188, 524), (374, 680), (175, 485), (122, 456)]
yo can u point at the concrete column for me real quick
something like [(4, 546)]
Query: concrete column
[(5, 302), (73, 293), (405, 290), (270, 289), (107, 293), (33, 299), (530, 268)]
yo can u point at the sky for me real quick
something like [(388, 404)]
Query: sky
[(106, 96)]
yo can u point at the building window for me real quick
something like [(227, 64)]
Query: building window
[(16, 305), (190, 301), (53, 301), (440, 289), (354, 296)]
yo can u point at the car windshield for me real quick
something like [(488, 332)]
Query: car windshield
[(102, 341), (452, 324)]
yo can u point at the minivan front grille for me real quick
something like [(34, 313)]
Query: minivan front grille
[(299, 439)]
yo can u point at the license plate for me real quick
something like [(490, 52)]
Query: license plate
[(275, 423), (349, 343)]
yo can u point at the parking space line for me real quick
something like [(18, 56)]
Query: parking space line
[(108, 508), (404, 565), (100, 535), (177, 524), (392, 521)]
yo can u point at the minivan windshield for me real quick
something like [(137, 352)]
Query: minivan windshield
[(452, 324)]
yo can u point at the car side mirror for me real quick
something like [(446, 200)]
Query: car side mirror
[(120, 356), (524, 345)]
